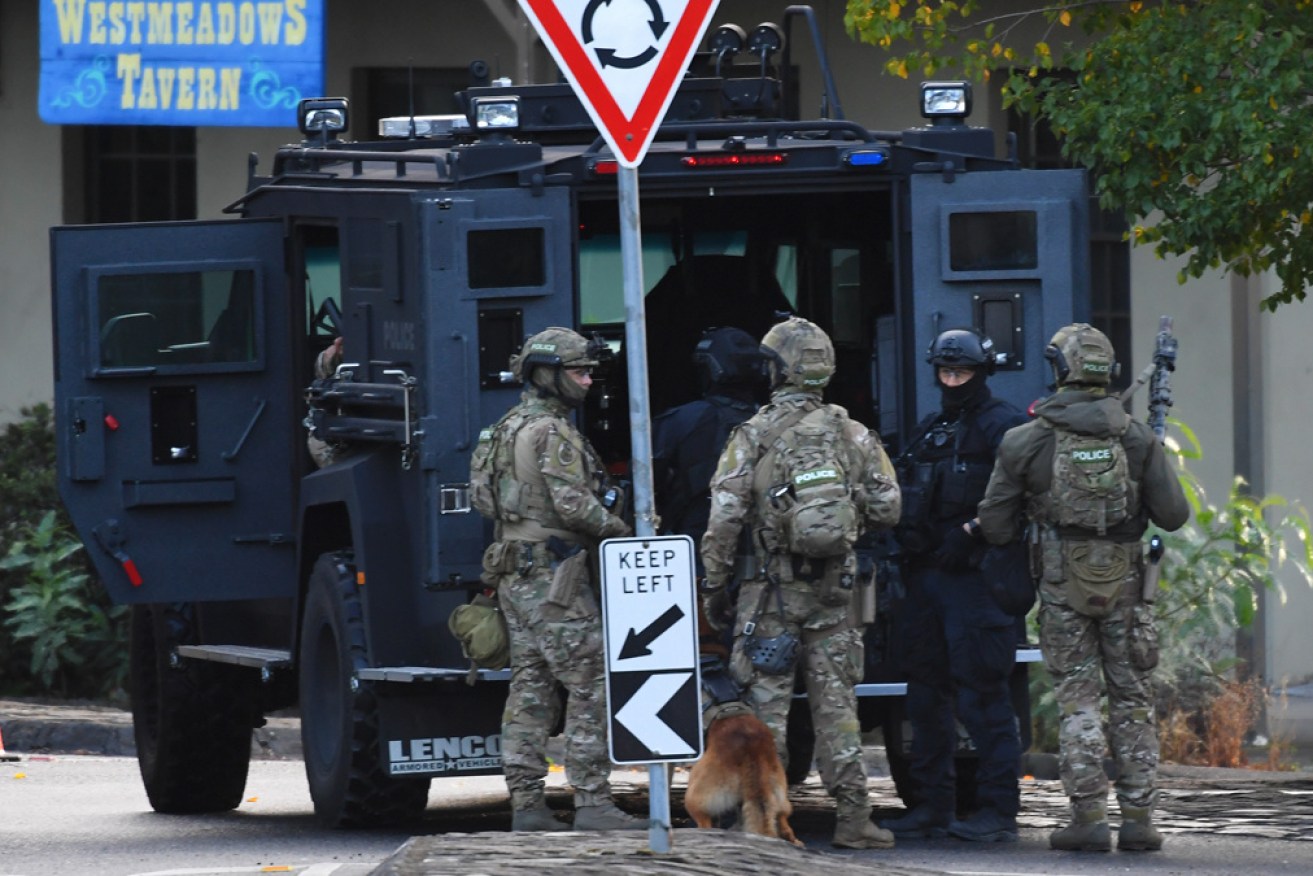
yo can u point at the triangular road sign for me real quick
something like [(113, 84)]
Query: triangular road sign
[(625, 59)]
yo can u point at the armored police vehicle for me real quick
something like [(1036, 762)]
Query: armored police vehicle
[(185, 378)]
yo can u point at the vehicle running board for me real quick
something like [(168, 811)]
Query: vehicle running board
[(264, 659)]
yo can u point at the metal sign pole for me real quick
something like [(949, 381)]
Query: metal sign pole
[(640, 432)]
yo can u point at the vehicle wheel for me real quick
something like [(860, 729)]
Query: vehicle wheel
[(339, 717), (191, 720), (799, 741)]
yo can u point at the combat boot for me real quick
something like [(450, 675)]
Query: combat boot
[(1137, 833), (986, 826), (856, 830), (538, 817), (606, 816), (923, 822), (1088, 832)]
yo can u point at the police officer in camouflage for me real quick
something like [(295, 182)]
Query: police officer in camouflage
[(1091, 480), (956, 645), (789, 599), (542, 482)]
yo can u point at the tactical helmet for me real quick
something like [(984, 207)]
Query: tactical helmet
[(800, 353), (963, 347), (1081, 354), (728, 356), (546, 354)]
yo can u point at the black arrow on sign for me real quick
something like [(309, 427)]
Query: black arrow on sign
[(636, 644), (658, 24), (608, 58)]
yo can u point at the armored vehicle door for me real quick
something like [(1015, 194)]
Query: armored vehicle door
[(1007, 251), (176, 416), (498, 267)]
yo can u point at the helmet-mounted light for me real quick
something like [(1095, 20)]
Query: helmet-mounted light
[(946, 101), (493, 114)]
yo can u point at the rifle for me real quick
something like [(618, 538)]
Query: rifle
[(1160, 387), (1158, 373)]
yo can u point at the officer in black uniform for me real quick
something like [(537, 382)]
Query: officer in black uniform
[(687, 440), (955, 644)]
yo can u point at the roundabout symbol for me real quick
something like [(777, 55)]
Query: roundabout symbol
[(607, 57)]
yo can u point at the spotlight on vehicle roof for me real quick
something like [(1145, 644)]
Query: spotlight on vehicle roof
[(492, 114), (322, 116), (766, 40), (727, 41), (949, 101)]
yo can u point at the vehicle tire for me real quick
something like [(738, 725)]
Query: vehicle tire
[(191, 720), (339, 717), (799, 741)]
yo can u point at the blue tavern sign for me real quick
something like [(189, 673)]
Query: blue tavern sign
[(222, 62)]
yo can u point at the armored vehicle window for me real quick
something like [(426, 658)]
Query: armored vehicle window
[(507, 257), (993, 241), (184, 321)]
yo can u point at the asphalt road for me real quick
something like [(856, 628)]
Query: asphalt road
[(67, 809), (74, 815)]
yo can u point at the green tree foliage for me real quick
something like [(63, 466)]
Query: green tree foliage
[(1193, 116)]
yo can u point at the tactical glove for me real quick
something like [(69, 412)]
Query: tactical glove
[(718, 609), (958, 552)]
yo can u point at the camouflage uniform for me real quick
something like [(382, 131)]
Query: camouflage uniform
[(326, 364), (1084, 652), (550, 494), (832, 653)]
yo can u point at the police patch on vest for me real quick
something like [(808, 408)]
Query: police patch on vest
[(1092, 488), (816, 478), (1092, 455)]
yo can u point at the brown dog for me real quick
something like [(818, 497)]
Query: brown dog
[(740, 771)]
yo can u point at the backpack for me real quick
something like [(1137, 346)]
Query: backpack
[(810, 505), (1092, 487)]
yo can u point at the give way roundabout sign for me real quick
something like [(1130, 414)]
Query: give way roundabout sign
[(625, 59), (649, 620)]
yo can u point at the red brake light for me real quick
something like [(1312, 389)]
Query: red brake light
[(737, 159)]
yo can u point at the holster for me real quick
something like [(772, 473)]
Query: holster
[(569, 571)]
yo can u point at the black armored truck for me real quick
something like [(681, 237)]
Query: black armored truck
[(185, 384)]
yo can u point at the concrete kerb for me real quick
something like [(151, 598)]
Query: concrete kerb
[(75, 727)]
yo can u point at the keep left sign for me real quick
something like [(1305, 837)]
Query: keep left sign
[(649, 615)]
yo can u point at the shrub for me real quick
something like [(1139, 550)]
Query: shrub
[(61, 635)]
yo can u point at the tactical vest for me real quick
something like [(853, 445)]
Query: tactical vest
[(942, 477), (808, 502), (1092, 488), (494, 490)]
